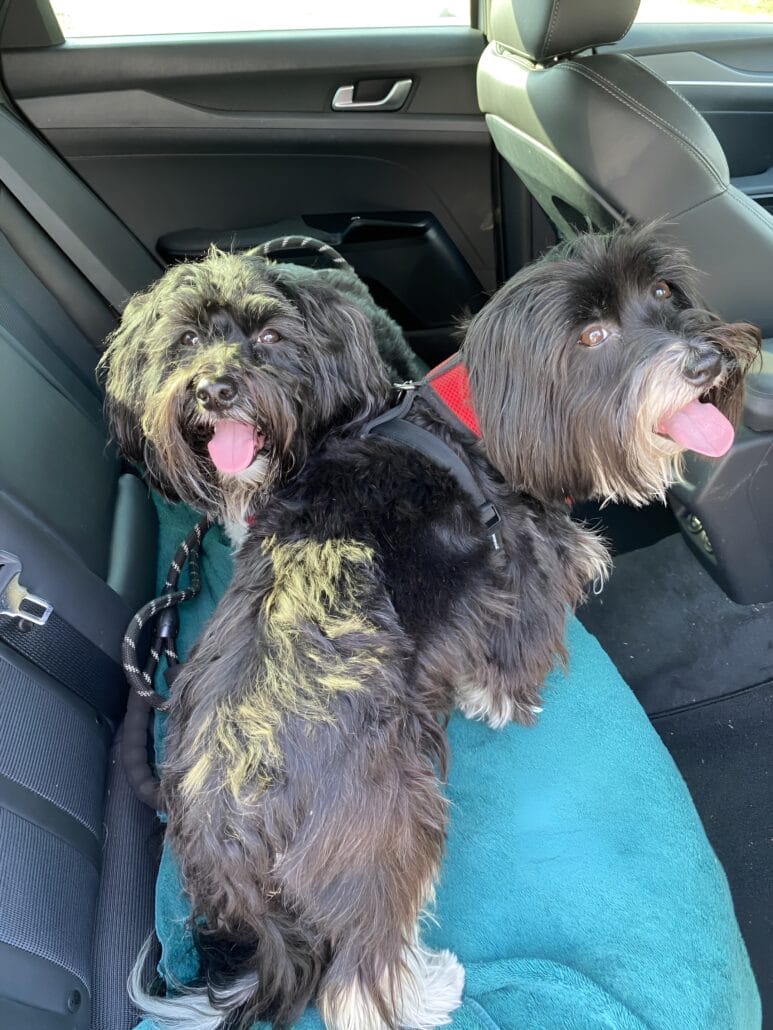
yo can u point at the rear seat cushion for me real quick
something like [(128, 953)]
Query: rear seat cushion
[(64, 510), (579, 888)]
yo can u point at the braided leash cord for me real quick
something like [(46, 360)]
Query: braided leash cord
[(141, 680), (304, 243), (142, 694)]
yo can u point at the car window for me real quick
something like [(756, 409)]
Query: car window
[(84, 18), (705, 11)]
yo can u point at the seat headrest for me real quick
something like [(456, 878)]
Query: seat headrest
[(543, 29)]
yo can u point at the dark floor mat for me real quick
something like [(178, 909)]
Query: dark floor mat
[(673, 634), (724, 750), (626, 528)]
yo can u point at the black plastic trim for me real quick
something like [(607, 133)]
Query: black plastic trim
[(232, 72), (34, 993), (26, 804), (140, 113), (113, 261)]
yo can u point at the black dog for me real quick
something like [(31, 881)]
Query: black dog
[(305, 736)]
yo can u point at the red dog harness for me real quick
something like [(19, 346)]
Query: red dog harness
[(447, 389), (449, 383)]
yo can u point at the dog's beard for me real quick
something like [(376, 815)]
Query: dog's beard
[(178, 433), (606, 440), (649, 459), (644, 459), (668, 392)]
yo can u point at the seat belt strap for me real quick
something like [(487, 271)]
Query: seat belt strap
[(30, 626)]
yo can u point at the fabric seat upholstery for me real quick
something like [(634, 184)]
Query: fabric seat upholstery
[(78, 852)]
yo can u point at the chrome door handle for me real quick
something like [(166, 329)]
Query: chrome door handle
[(393, 101)]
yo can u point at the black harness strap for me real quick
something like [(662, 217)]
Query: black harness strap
[(394, 426)]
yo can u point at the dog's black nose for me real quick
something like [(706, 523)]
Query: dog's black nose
[(215, 394), (702, 364)]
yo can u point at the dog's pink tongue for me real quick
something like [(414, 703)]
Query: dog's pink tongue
[(699, 427), (233, 445)]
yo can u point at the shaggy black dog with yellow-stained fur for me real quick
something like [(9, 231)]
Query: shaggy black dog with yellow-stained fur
[(171, 370), (386, 575)]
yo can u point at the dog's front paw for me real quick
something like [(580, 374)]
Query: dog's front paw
[(496, 706)]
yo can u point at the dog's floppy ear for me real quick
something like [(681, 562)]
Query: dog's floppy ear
[(348, 367), (121, 371), (503, 357)]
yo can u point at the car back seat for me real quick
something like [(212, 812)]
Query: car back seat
[(77, 851)]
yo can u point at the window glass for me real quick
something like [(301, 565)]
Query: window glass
[(82, 18), (705, 10)]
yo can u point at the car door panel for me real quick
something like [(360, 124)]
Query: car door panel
[(226, 138)]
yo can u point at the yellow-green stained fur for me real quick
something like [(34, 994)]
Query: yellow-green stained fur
[(317, 583), (312, 623)]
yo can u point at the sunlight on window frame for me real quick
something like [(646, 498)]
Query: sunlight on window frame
[(81, 19)]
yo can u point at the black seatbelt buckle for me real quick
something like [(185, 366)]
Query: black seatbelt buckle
[(15, 599)]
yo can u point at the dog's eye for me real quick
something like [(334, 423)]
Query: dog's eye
[(661, 290), (268, 336), (593, 335), (189, 339)]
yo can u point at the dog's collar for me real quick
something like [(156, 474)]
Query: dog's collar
[(394, 425)]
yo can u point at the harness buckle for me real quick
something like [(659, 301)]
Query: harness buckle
[(15, 600), (491, 520)]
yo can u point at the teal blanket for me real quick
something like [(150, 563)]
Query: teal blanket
[(578, 889)]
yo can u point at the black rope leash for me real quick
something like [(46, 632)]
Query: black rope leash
[(285, 243), (142, 694), (141, 680)]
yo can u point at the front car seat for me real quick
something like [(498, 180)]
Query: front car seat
[(599, 138)]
